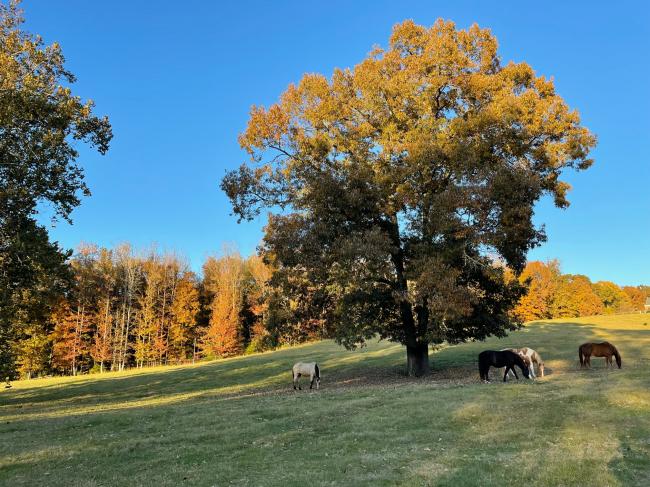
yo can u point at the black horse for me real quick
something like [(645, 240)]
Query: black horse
[(504, 358)]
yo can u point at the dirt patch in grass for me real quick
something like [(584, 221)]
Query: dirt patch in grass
[(378, 378)]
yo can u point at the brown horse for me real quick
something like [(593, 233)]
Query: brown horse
[(604, 349)]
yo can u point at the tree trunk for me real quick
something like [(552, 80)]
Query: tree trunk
[(417, 360), (417, 353), (126, 335)]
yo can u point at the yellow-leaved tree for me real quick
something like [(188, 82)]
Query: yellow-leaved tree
[(400, 178)]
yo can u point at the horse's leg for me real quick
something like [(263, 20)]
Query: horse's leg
[(298, 381), (487, 374), (483, 372), (311, 381), (505, 375), (514, 371), (294, 380), (531, 369)]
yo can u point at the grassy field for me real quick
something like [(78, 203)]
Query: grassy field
[(237, 422)]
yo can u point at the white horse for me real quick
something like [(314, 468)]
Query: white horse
[(311, 369), (531, 358)]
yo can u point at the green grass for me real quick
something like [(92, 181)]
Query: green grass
[(237, 421)]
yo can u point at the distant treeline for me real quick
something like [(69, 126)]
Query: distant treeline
[(134, 309), (552, 294), (126, 309)]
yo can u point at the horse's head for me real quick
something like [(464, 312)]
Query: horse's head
[(524, 364)]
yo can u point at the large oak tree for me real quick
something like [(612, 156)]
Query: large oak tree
[(400, 188)]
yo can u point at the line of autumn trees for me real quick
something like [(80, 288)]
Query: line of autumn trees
[(552, 294), (128, 309)]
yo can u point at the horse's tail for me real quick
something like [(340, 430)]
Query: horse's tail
[(617, 355), (580, 357), (317, 370)]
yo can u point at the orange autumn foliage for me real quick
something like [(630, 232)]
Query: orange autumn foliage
[(636, 297), (554, 295), (575, 297), (223, 279), (543, 281), (70, 343)]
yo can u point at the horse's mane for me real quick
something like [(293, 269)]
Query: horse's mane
[(520, 361)]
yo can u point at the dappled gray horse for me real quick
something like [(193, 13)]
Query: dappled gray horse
[(307, 369)]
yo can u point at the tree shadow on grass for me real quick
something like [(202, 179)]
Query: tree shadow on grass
[(257, 373), (631, 466)]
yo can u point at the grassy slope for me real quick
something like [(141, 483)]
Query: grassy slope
[(236, 422)]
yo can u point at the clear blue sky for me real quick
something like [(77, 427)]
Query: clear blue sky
[(177, 80)]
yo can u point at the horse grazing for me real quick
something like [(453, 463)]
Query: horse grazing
[(503, 358), (311, 369), (604, 349), (531, 357)]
